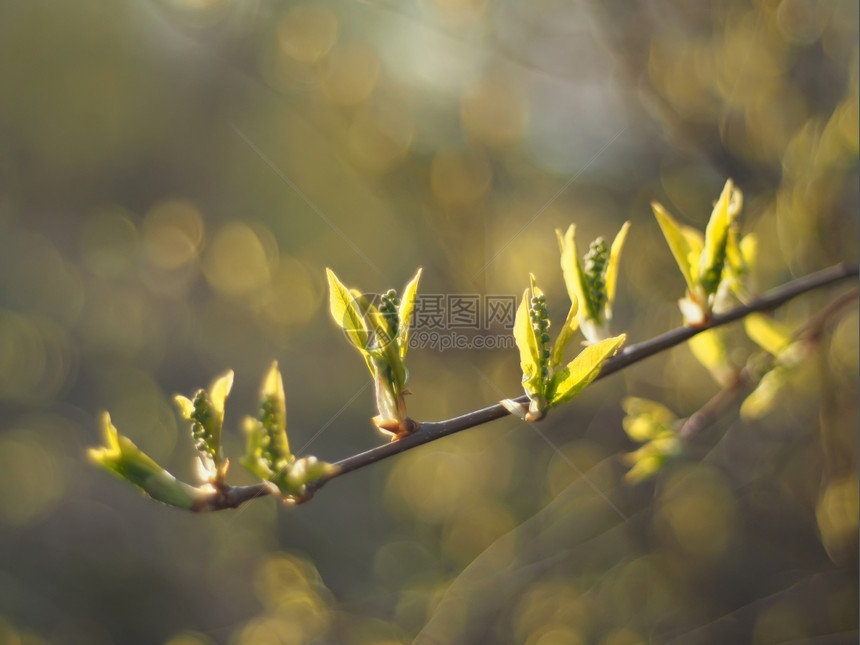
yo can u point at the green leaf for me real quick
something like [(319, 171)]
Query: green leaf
[(273, 411), (582, 370), (763, 398), (612, 268), (346, 312), (407, 303), (527, 343), (305, 472), (267, 450), (713, 257), (650, 458), (571, 324), (710, 350), (679, 243), (125, 460), (646, 420), (767, 333), (574, 276)]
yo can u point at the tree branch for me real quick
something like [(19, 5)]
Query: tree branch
[(231, 497), (431, 431)]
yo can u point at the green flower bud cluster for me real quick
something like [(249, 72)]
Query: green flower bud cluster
[(595, 276), (539, 316), (271, 420), (389, 308), (200, 420)]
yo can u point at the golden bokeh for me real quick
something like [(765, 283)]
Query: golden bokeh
[(292, 297), (306, 33), (778, 623), (29, 493), (239, 260), (108, 242), (697, 511), (176, 175), (460, 177), (36, 358), (837, 512), (494, 111), (172, 233), (380, 137), (353, 70)]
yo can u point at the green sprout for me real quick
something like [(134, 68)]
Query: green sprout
[(206, 414), (593, 281), (381, 335), (546, 381), (125, 460), (786, 356), (712, 264), (267, 449)]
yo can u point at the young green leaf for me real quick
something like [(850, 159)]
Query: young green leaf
[(646, 420), (762, 399), (679, 243), (767, 333), (125, 460), (571, 269), (612, 268), (649, 459), (407, 303), (527, 343), (582, 370), (653, 425), (593, 282), (710, 350), (206, 414), (303, 474), (346, 312), (267, 450), (381, 333), (713, 257), (571, 324)]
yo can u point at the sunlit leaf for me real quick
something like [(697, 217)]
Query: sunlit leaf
[(713, 257), (267, 450), (305, 472), (527, 343), (763, 398), (646, 420), (346, 312), (678, 242), (648, 460), (273, 411), (407, 303), (612, 268), (571, 269), (767, 333), (710, 350), (121, 457), (568, 329), (582, 370)]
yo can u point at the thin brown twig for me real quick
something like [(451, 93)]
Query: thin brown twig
[(232, 497)]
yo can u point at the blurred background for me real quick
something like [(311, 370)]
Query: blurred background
[(175, 175)]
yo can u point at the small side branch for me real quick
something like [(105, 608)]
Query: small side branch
[(224, 497)]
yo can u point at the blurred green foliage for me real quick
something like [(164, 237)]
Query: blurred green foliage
[(174, 177)]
